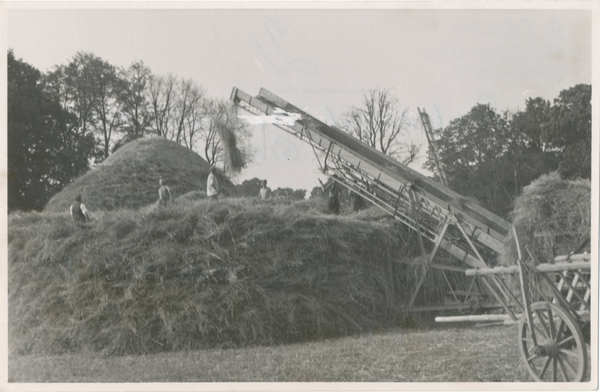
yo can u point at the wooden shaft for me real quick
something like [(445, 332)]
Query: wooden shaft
[(513, 269), (478, 317)]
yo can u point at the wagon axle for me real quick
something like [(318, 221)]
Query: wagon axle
[(548, 349)]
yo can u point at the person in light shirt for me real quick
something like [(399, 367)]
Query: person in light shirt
[(164, 194), (78, 210), (264, 192), (212, 185)]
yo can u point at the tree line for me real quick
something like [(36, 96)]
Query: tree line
[(63, 121), (75, 115), (491, 155)]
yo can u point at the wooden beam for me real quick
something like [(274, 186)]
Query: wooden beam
[(578, 257)]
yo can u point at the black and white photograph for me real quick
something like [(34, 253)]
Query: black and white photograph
[(299, 196)]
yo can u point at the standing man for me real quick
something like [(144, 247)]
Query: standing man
[(164, 194), (79, 212), (264, 191), (357, 201), (212, 185), (332, 190)]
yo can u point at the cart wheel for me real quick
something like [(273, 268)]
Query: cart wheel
[(560, 354)]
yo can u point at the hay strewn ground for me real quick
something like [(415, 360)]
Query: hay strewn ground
[(448, 354), (202, 274), (552, 216), (129, 177)]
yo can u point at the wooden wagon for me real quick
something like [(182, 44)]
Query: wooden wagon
[(554, 327)]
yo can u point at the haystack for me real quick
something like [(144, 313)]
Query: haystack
[(552, 217), (129, 177), (204, 274)]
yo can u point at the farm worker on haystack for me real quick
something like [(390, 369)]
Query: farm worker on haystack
[(264, 192), (164, 194), (212, 185), (332, 189), (79, 212), (357, 201)]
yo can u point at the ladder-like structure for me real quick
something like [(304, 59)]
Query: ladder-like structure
[(472, 236)]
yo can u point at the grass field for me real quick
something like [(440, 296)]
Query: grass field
[(442, 353)]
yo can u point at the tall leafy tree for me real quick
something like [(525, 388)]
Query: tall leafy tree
[(471, 149), (59, 86), (72, 85), (531, 122), (569, 130), (491, 156), (530, 155), (88, 87), (41, 159)]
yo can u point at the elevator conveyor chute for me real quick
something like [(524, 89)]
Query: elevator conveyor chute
[(472, 235)]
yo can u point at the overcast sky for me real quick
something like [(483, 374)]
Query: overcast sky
[(323, 61)]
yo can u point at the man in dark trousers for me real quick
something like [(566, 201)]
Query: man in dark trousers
[(356, 200), (79, 212), (332, 191)]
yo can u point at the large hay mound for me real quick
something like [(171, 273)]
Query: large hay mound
[(129, 177), (552, 217), (203, 274)]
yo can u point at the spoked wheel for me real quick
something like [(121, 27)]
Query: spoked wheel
[(560, 354)]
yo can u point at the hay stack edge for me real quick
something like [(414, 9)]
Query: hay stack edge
[(198, 274), (552, 217)]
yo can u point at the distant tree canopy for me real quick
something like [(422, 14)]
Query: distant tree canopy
[(289, 193), (492, 156), (80, 112), (316, 192), (251, 188)]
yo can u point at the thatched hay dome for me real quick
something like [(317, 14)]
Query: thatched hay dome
[(129, 177)]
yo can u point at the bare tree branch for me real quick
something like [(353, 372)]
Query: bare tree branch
[(379, 124)]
